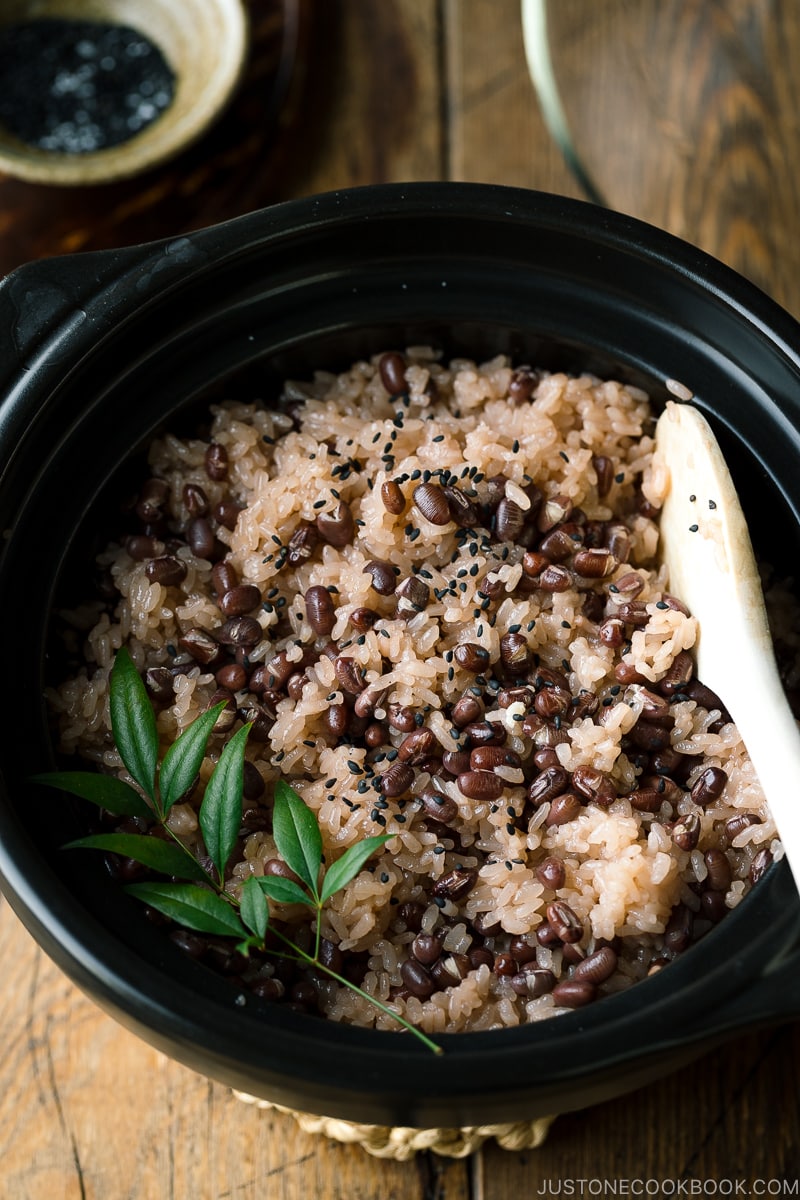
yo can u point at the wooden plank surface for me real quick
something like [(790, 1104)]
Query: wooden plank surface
[(395, 90)]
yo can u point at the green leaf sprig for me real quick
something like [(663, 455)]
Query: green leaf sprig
[(203, 903)]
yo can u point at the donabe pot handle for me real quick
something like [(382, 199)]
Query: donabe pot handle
[(41, 299), (46, 302), (773, 998)]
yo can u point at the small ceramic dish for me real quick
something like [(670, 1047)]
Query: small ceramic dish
[(204, 42)]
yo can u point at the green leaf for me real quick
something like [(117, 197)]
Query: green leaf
[(347, 867), (106, 791), (133, 722), (220, 813), (253, 908), (184, 758), (284, 891), (192, 906), (250, 943), (296, 834), (166, 857)]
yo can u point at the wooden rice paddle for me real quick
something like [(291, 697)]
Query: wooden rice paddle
[(706, 548)]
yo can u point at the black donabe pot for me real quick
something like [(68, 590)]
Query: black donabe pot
[(100, 351)]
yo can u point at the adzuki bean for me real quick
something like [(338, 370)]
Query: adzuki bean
[(412, 595), (533, 982), (462, 510), (320, 609), (240, 600), (439, 806), (549, 784), (686, 832), (397, 780), (195, 499), (509, 520), (348, 675), (466, 710), (456, 884), (594, 785), (417, 746), (564, 921), (480, 785), (392, 370), (432, 503), (574, 993), (392, 496), (302, 545), (597, 967), (227, 513), (202, 645), (201, 538), (426, 948), (736, 825), (760, 865), (416, 978), (563, 809), (709, 786), (472, 657), (552, 873), (337, 526), (719, 870), (216, 461), (167, 570)]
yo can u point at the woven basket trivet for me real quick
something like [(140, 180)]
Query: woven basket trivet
[(403, 1142)]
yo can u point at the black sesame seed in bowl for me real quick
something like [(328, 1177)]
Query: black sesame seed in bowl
[(538, 289)]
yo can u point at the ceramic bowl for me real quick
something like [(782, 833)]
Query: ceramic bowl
[(102, 351), (203, 41)]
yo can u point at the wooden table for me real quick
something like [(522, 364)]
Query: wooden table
[(687, 115)]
